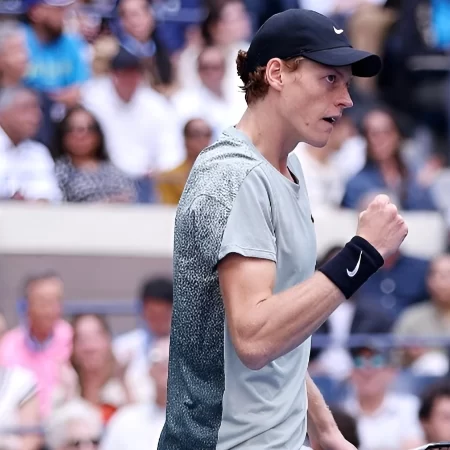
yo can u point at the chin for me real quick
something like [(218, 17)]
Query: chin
[(317, 142)]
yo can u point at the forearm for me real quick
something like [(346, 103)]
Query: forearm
[(283, 321), (321, 423)]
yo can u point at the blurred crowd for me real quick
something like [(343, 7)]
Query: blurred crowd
[(112, 101)]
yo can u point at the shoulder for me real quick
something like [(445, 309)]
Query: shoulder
[(38, 150), (20, 382), (221, 170), (12, 337), (414, 314), (403, 403), (127, 417), (72, 43)]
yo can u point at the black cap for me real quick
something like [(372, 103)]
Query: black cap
[(299, 32), (125, 60)]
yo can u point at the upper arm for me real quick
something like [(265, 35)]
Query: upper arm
[(247, 256)]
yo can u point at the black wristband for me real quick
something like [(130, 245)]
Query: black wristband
[(353, 265)]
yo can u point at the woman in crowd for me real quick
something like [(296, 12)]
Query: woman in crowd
[(386, 170), (98, 378), (83, 169), (19, 410)]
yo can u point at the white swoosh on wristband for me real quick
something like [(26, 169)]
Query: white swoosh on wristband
[(355, 270)]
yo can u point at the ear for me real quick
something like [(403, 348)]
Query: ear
[(274, 74)]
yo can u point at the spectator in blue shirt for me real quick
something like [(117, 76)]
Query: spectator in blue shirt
[(385, 170), (58, 64)]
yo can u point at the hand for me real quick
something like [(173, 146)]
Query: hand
[(382, 226), (333, 441)]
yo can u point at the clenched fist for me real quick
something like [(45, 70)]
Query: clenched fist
[(382, 226)]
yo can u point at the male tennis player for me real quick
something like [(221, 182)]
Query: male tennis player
[(246, 298)]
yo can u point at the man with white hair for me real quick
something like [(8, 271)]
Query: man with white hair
[(26, 167), (138, 427), (13, 53), (76, 425)]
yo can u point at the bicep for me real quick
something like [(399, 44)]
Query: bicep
[(244, 283)]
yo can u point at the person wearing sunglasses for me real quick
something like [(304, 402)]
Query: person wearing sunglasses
[(385, 419), (77, 425)]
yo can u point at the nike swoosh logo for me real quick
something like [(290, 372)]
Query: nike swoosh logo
[(355, 270), (337, 31)]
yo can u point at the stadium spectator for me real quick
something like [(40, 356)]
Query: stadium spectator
[(429, 319), (58, 65), (137, 33), (400, 283), (26, 167), (385, 419), (434, 412), (43, 342), (228, 27), (139, 426), (140, 135), (99, 378), (209, 100), (83, 169), (19, 408), (386, 170), (155, 307), (76, 425), (13, 54), (346, 425), (170, 184)]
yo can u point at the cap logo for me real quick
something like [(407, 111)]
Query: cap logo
[(337, 31)]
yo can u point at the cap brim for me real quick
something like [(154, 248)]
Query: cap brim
[(364, 64)]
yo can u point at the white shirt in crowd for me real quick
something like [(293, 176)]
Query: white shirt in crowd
[(323, 179), (28, 169), (17, 386), (392, 426), (141, 135), (328, 7), (336, 360), (201, 103), (136, 427), (131, 348)]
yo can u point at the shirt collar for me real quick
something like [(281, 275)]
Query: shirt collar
[(5, 142)]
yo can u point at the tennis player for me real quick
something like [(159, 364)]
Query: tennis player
[(246, 294)]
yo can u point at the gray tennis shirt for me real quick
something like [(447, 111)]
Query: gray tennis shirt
[(235, 201)]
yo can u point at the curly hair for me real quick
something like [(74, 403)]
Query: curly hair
[(255, 84)]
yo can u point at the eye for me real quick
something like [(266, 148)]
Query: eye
[(331, 78)]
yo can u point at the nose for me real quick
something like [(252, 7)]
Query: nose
[(345, 101)]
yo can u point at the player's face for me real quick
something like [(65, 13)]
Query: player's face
[(313, 98)]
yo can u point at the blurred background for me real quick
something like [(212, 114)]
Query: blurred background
[(104, 107)]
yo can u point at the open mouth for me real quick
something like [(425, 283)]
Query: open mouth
[(331, 120)]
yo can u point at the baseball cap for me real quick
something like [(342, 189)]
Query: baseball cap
[(300, 32), (125, 60), (59, 3)]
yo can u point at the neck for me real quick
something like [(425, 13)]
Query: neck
[(216, 90), (83, 162), (16, 140), (268, 133), (41, 33), (370, 404), (39, 335), (9, 80), (443, 306), (321, 155)]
